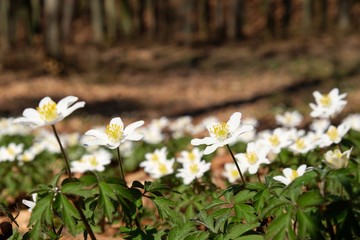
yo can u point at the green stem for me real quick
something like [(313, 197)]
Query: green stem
[(83, 218), (120, 164), (237, 165), (62, 151)]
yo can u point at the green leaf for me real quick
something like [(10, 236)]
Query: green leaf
[(260, 199), (245, 212), (165, 209), (243, 196), (69, 214), (240, 229), (105, 196), (77, 188), (308, 226), (207, 221), (42, 211), (181, 231), (251, 237), (310, 199), (279, 227)]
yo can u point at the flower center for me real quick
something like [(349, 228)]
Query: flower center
[(220, 130), (191, 156), (332, 133), (300, 144), (114, 132), (93, 161), (274, 140), (252, 157), (194, 168), (294, 174), (154, 157), (234, 173), (48, 111), (162, 168), (325, 100)]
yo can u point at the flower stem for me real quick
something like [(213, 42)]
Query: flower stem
[(62, 151), (83, 218), (120, 164), (237, 165)]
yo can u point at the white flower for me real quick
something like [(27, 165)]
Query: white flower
[(327, 105), (231, 173), (320, 125), (10, 152), (275, 140), (192, 171), (95, 161), (30, 204), (157, 164), (180, 126), (337, 159), (290, 174), (353, 120), (303, 144), (289, 119), (152, 134), (192, 156), (26, 156), (114, 135), (222, 133), (333, 135), (162, 168), (7, 127), (251, 160), (250, 135), (48, 112)]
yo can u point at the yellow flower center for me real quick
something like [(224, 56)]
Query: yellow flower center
[(93, 161), (11, 151), (294, 174), (274, 140), (191, 156), (234, 173), (325, 100), (114, 132), (154, 157), (48, 111), (162, 168), (220, 130), (300, 144), (332, 133), (194, 168), (252, 157)]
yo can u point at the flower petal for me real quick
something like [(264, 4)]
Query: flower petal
[(131, 127), (117, 121), (301, 170), (64, 103), (44, 101), (234, 121), (210, 149), (71, 109)]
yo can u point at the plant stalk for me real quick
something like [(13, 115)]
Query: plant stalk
[(237, 165), (120, 164), (83, 218), (62, 151)]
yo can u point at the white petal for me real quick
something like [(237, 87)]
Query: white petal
[(234, 121), (210, 149), (64, 103), (134, 137), (74, 107), (287, 172), (97, 134), (206, 140), (117, 121), (282, 179), (301, 170), (44, 101), (131, 127)]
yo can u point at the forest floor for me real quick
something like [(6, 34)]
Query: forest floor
[(145, 82)]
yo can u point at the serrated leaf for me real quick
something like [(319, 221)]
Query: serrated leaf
[(207, 221), (105, 196), (310, 199), (251, 237), (239, 229), (42, 211), (69, 214), (243, 196), (307, 225), (215, 202), (77, 188), (165, 210), (181, 231), (260, 199), (279, 227), (246, 212)]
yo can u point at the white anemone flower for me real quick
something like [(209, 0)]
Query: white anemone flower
[(222, 133), (95, 161), (192, 171), (353, 120), (153, 159), (48, 112), (114, 135), (30, 204), (290, 174), (319, 125), (276, 140), (192, 156), (254, 156), (327, 105), (231, 173), (337, 159), (333, 135), (10, 152), (289, 119)]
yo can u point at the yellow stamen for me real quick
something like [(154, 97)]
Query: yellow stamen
[(274, 140), (48, 111), (234, 173), (325, 100), (162, 168), (194, 168), (191, 156), (252, 157), (93, 161), (294, 174), (300, 144), (220, 130), (154, 157), (114, 132), (332, 133)]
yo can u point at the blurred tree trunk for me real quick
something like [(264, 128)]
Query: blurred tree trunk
[(324, 15), (36, 16), (235, 20), (111, 19), (307, 14), (126, 18), (286, 18), (52, 31), (140, 17), (204, 20), (220, 24), (67, 15), (4, 24), (344, 15), (188, 18), (97, 21), (150, 19), (270, 17)]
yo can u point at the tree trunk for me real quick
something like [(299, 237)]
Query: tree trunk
[(235, 20), (220, 24), (67, 15), (324, 15), (126, 18), (111, 19), (4, 24), (344, 15), (286, 18), (52, 32), (270, 17), (307, 10), (97, 21), (204, 20)]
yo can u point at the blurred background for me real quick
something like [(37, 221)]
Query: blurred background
[(152, 58)]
